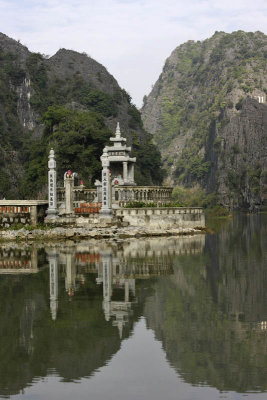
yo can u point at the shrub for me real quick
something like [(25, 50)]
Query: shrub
[(139, 204), (193, 197)]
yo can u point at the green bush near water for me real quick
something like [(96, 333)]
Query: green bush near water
[(197, 197), (140, 204), (193, 197)]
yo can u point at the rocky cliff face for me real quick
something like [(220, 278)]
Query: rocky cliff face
[(208, 112), (31, 83)]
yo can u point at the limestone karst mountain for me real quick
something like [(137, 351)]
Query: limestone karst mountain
[(69, 101), (208, 114)]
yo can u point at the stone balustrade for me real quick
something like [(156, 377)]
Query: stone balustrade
[(146, 194), (80, 194), (22, 211), (121, 195), (164, 217)]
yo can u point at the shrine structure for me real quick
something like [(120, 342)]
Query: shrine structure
[(121, 164)]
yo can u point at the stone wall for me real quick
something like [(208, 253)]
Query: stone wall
[(180, 217), (8, 218), (26, 212)]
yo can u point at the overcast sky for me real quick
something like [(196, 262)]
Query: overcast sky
[(131, 38)]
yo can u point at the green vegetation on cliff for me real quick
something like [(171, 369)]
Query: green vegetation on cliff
[(78, 138), (205, 123), (68, 101)]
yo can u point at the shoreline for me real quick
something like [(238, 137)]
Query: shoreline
[(78, 233)]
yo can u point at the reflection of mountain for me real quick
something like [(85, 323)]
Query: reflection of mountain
[(41, 330), (210, 314), (238, 258)]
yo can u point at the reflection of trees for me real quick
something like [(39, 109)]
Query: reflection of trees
[(75, 345), (207, 314)]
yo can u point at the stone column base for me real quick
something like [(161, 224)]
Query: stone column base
[(51, 216)]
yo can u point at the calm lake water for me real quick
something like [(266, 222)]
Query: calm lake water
[(165, 318)]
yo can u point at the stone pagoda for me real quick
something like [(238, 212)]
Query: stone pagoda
[(121, 165)]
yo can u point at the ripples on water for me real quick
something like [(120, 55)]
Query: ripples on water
[(146, 318)]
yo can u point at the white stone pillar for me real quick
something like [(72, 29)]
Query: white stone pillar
[(131, 173), (52, 211), (69, 184), (98, 185), (106, 208), (53, 282), (113, 194), (125, 171)]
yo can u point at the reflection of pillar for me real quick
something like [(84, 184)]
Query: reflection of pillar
[(107, 283), (34, 259), (53, 283), (99, 278), (120, 327), (125, 171), (132, 285), (126, 291), (70, 274)]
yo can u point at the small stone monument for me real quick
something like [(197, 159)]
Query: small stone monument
[(52, 210), (106, 209)]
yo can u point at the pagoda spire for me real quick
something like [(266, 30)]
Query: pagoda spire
[(118, 131)]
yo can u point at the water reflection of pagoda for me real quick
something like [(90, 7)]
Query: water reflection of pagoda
[(117, 269), (116, 266), (118, 279), (113, 279)]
